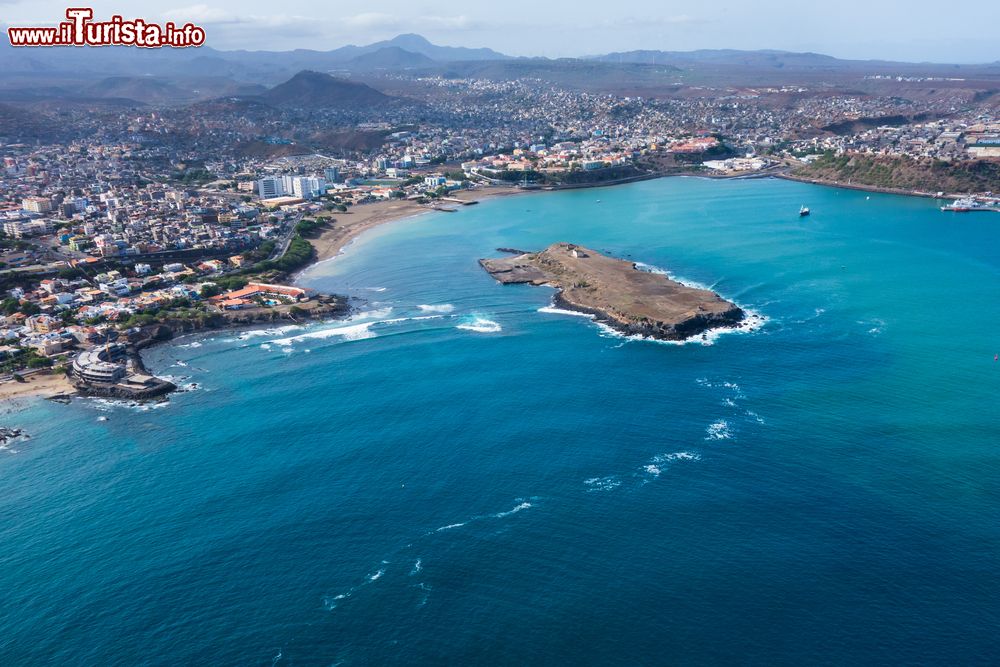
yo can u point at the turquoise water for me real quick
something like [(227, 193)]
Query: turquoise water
[(478, 482)]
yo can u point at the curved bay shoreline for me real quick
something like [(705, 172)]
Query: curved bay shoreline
[(329, 245)]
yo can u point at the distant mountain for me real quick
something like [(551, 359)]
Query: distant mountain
[(309, 89), (389, 57), (418, 44), (766, 59)]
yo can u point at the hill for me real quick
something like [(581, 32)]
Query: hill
[(309, 89), (389, 57), (901, 173)]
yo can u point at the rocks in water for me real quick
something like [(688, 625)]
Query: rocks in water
[(618, 294)]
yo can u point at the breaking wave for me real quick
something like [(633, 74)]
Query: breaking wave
[(480, 325), (439, 308), (718, 431), (552, 310)]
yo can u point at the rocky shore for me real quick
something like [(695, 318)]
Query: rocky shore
[(617, 293)]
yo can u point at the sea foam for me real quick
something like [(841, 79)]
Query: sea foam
[(480, 325), (438, 308)]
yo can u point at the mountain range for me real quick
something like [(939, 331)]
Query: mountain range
[(181, 76)]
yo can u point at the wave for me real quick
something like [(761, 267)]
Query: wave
[(349, 332), (656, 464), (480, 325), (450, 526), (718, 431), (439, 308), (330, 602), (753, 320), (377, 575), (108, 404), (552, 310), (522, 506), (417, 567), (603, 483), (258, 333)]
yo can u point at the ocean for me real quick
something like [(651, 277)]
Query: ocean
[(460, 475)]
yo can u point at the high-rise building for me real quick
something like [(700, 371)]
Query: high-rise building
[(308, 187), (270, 186), (36, 204), (331, 174)]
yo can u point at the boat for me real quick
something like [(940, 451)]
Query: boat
[(804, 211), (966, 204)]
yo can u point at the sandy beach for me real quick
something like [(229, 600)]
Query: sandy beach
[(359, 219), (42, 385)]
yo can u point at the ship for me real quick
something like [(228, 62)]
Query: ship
[(964, 205), (804, 211)]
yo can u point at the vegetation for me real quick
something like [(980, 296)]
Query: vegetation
[(904, 173), (310, 228), (300, 252)]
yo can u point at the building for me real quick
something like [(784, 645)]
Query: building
[(37, 204), (308, 187), (270, 187), (22, 228), (104, 364)]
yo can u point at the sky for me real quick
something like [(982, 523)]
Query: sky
[(958, 31)]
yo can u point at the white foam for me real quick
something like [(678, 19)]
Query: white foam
[(522, 506), (752, 320), (718, 431), (676, 456), (377, 575), (658, 462), (417, 567), (439, 308), (480, 325), (330, 603), (349, 332), (192, 344), (107, 404), (552, 310), (450, 526), (603, 483)]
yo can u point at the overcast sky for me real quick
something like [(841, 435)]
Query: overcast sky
[(916, 30)]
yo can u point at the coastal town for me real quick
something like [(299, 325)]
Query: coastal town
[(158, 214)]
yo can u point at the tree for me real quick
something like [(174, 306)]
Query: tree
[(208, 290), (30, 308), (10, 305)]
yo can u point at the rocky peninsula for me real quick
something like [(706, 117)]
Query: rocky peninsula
[(617, 293)]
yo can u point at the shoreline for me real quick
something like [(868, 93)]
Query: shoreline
[(332, 242), (37, 385), (359, 219), (867, 188)]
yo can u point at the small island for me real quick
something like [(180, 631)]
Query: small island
[(617, 293)]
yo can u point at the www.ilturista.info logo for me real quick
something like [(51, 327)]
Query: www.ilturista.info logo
[(79, 30)]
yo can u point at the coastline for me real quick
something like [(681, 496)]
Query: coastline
[(37, 385), (359, 219), (349, 226), (866, 188)]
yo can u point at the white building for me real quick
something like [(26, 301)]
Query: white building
[(37, 204), (270, 187)]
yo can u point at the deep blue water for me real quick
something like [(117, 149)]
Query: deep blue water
[(497, 485)]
